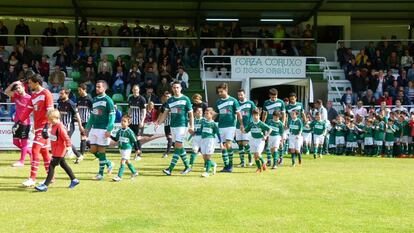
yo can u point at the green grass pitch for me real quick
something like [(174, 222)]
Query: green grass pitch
[(333, 194)]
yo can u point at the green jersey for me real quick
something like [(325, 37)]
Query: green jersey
[(340, 130), (379, 131), (368, 131), (295, 126), (406, 128), (102, 114), (209, 129), (352, 134), (390, 133), (257, 129), (398, 129), (360, 126), (179, 108), (298, 107), (125, 138), (197, 125), (227, 109), (270, 107), (277, 127), (246, 110), (318, 127), (307, 128)]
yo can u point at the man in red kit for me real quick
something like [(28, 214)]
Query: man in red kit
[(41, 102)]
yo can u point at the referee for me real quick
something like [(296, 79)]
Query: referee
[(84, 109), (68, 115), (137, 112)]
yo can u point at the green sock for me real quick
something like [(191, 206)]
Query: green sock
[(315, 150), (261, 159), (293, 158), (208, 165), (275, 157), (268, 153), (121, 170), (225, 157), (183, 156), (132, 168), (258, 164), (102, 162), (174, 159), (230, 153), (249, 154), (241, 153), (192, 158)]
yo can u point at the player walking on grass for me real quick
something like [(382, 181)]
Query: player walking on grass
[(21, 130), (99, 127), (84, 105), (259, 134), (318, 127), (167, 127), (242, 138), (41, 102), (209, 132), (69, 113), (126, 139), (137, 111), (275, 139), (228, 110), (295, 137), (60, 144), (182, 116), (196, 137)]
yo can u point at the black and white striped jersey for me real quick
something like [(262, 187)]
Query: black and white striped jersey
[(68, 112), (84, 107), (136, 106), (167, 120)]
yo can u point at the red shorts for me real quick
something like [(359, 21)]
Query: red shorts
[(38, 139)]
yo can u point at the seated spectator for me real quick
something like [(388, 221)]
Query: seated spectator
[(360, 110), (402, 97), (410, 73), (119, 62), (88, 78), (118, 114), (56, 80), (139, 61), (24, 55), (393, 89), (120, 78), (197, 101), (37, 49), (163, 86), (380, 84), (9, 76), (361, 59), (150, 95), (105, 63), (399, 107), (182, 76), (193, 54), (308, 49), (94, 41), (349, 97), (151, 63), (369, 98), (133, 78), (105, 75), (406, 60), (151, 113), (62, 30), (89, 62), (409, 92), (165, 68), (266, 50), (106, 42), (393, 61), (251, 49), (4, 54), (150, 75), (26, 72), (174, 67), (379, 62), (44, 67), (136, 49), (80, 51), (95, 51), (62, 59), (385, 98), (358, 83), (150, 51)]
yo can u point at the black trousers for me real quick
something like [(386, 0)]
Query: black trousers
[(53, 163)]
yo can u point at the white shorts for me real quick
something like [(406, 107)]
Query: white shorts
[(378, 143), (256, 145), (275, 141), (97, 137), (242, 136), (389, 144), (178, 134), (227, 134), (318, 139), (307, 138), (407, 139), (368, 141), (340, 140), (207, 146), (196, 142), (295, 143), (125, 154), (352, 145), (397, 139), (286, 134)]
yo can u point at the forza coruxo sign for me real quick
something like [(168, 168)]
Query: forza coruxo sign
[(268, 67)]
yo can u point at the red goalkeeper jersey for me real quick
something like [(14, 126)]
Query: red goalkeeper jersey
[(40, 103), (59, 140)]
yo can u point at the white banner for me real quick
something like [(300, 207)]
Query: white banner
[(268, 67)]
